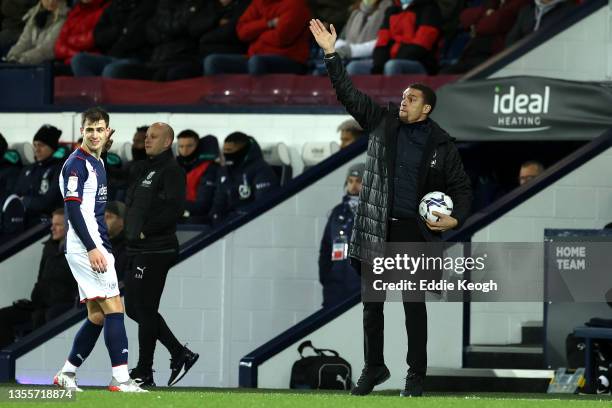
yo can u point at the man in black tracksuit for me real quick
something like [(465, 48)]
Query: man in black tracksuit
[(155, 201), (408, 156)]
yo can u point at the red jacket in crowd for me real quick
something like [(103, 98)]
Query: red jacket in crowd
[(410, 33), (289, 38), (77, 32), (493, 18)]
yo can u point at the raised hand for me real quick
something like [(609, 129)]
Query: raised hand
[(324, 38)]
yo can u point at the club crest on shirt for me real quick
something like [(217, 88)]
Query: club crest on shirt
[(148, 180), (244, 190), (434, 160)]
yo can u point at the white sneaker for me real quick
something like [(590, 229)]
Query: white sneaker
[(66, 381), (127, 386)]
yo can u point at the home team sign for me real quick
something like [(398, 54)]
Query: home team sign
[(524, 108)]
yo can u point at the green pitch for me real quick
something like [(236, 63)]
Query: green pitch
[(223, 398)]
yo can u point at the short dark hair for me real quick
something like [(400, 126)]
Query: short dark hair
[(3, 146), (238, 138), (429, 95), (95, 114), (142, 129), (190, 134), (58, 211)]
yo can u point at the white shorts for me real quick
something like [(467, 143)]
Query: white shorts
[(93, 285)]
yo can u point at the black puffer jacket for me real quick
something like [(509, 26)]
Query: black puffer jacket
[(168, 31), (55, 284), (441, 168), (120, 32)]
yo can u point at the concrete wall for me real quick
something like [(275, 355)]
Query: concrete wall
[(582, 53), (582, 199), (18, 274)]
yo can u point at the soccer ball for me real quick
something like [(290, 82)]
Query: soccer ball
[(435, 201)]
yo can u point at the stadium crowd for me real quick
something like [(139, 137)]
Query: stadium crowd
[(166, 40)]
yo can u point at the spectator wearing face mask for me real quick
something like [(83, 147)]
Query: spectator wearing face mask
[(338, 278), (245, 179)]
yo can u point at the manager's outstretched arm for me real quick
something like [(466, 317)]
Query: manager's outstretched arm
[(367, 112)]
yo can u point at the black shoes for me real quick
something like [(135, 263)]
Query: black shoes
[(144, 378), (414, 385), (180, 364), (370, 377)]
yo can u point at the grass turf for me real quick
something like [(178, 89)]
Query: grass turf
[(210, 398)]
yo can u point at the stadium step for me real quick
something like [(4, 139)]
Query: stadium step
[(485, 380), (511, 356)]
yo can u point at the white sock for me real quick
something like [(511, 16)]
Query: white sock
[(121, 373), (69, 368)]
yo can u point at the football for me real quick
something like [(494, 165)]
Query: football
[(435, 201)]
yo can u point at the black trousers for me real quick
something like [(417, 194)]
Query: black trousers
[(415, 314), (144, 281)]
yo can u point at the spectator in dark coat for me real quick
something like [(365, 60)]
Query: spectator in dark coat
[(77, 32), (215, 25), (536, 15), (408, 38), (276, 31), (334, 12), (338, 278), (114, 216), (38, 183), (202, 180), (11, 21), (488, 25), (120, 36), (10, 167), (188, 153), (245, 178), (175, 49), (55, 290)]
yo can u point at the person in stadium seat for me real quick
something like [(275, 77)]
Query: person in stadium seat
[(408, 38), (245, 178), (76, 34), (536, 15), (54, 292), (120, 36), (202, 181), (155, 202), (358, 38), (350, 131), (114, 216), (488, 25), (37, 185), (43, 24), (408, 156), (174, 52), (530, 170), (334, 12), (277, 35), (215, 26), (338, 278), (10, 167), (11, 22), (188, 153)]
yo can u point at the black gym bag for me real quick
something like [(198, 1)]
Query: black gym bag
[(325, 371)]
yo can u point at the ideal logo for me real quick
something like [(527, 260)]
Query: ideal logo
[(520, 112)]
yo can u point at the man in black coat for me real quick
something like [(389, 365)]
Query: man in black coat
[(337, 276), (408, 156), (38, 183), (155, 201), (121, 36), (10, 166), (54, 292), (245, 178), (114, 216)]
